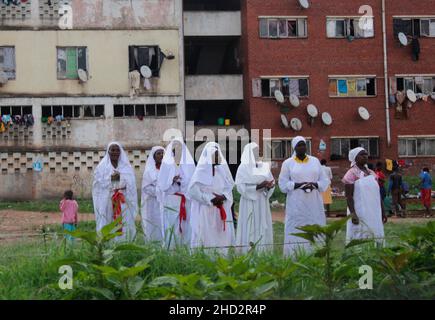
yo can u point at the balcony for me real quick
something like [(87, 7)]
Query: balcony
[(212, 23), (214, 87)]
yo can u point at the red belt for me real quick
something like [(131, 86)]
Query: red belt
[(222, 213), (117, 199), (183, 213)]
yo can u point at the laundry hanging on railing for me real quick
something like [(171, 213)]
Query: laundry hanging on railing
[(13, 2)]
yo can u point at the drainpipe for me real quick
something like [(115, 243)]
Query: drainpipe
[(387, 107)]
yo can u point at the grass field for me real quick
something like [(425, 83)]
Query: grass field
[(28, 270), (86, 206)]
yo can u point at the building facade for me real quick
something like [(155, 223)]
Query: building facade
[(214, 74), (44, 46), (332, 55)]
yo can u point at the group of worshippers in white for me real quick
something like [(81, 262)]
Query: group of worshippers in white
[(191, 205)]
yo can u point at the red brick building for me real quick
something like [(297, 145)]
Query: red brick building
[(333, 59)]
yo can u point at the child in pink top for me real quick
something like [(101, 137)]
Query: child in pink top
[(69, 208)]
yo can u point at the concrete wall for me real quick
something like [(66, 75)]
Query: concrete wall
[(95, 14), (107, 28), (214, 23), (36, 61), (214, 87)]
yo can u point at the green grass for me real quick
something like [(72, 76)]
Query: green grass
[(85, 205), (28, 268)]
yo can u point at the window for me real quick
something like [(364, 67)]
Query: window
[(350, 27), (340, 147), (412, 147), (420, 26), (282, 149), (418, 84), (77, 111), (150, 56), (283, 27), (297, 86), (69, 60), (7, 61), (15, 110), (140, 110), (352, 87), (427, 27)]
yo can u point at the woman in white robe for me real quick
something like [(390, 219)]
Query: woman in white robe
[(150, 205), (177, 169), (210, 190), (114, 192), (302, 179), (255, 184), (364, 203)]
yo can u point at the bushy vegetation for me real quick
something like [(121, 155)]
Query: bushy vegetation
[(104, 269)]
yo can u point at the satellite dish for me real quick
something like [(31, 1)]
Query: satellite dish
[(146, 72), (312, 110), (304, 4), (284, 121), (294, 100), (326, 118), (364, 113), (411, 96), (83, 76), (296, 124), (279, 96), (3, 77), (403, 39)]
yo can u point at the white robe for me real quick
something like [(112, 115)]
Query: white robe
[(367, 203), (208, 229), (175, 231), (103, 190), (150, 206), (302, 208), (255, 219)]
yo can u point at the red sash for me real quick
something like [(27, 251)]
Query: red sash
[(222, 213), (117, 199), (183, 213)]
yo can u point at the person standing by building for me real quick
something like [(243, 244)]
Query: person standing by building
[(395, 189), (302, 179), (327, 195), (381, 180), (150, 206), (426, 190), (255, 184), (114, 192), (364, 203), (69, 208), (174, 178), (211, 192)]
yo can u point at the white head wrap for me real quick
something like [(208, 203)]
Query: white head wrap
[(295, 142), (168, 168), (248, 171), (204, 172), (353, 154)]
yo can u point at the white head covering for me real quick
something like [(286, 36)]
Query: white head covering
[(353, 154), (248, 172), (101, 189), (204, 172), (124, 165), (168, 169), (295, 142), (150, 174)]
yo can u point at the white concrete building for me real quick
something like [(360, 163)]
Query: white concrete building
[(43, 44)]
